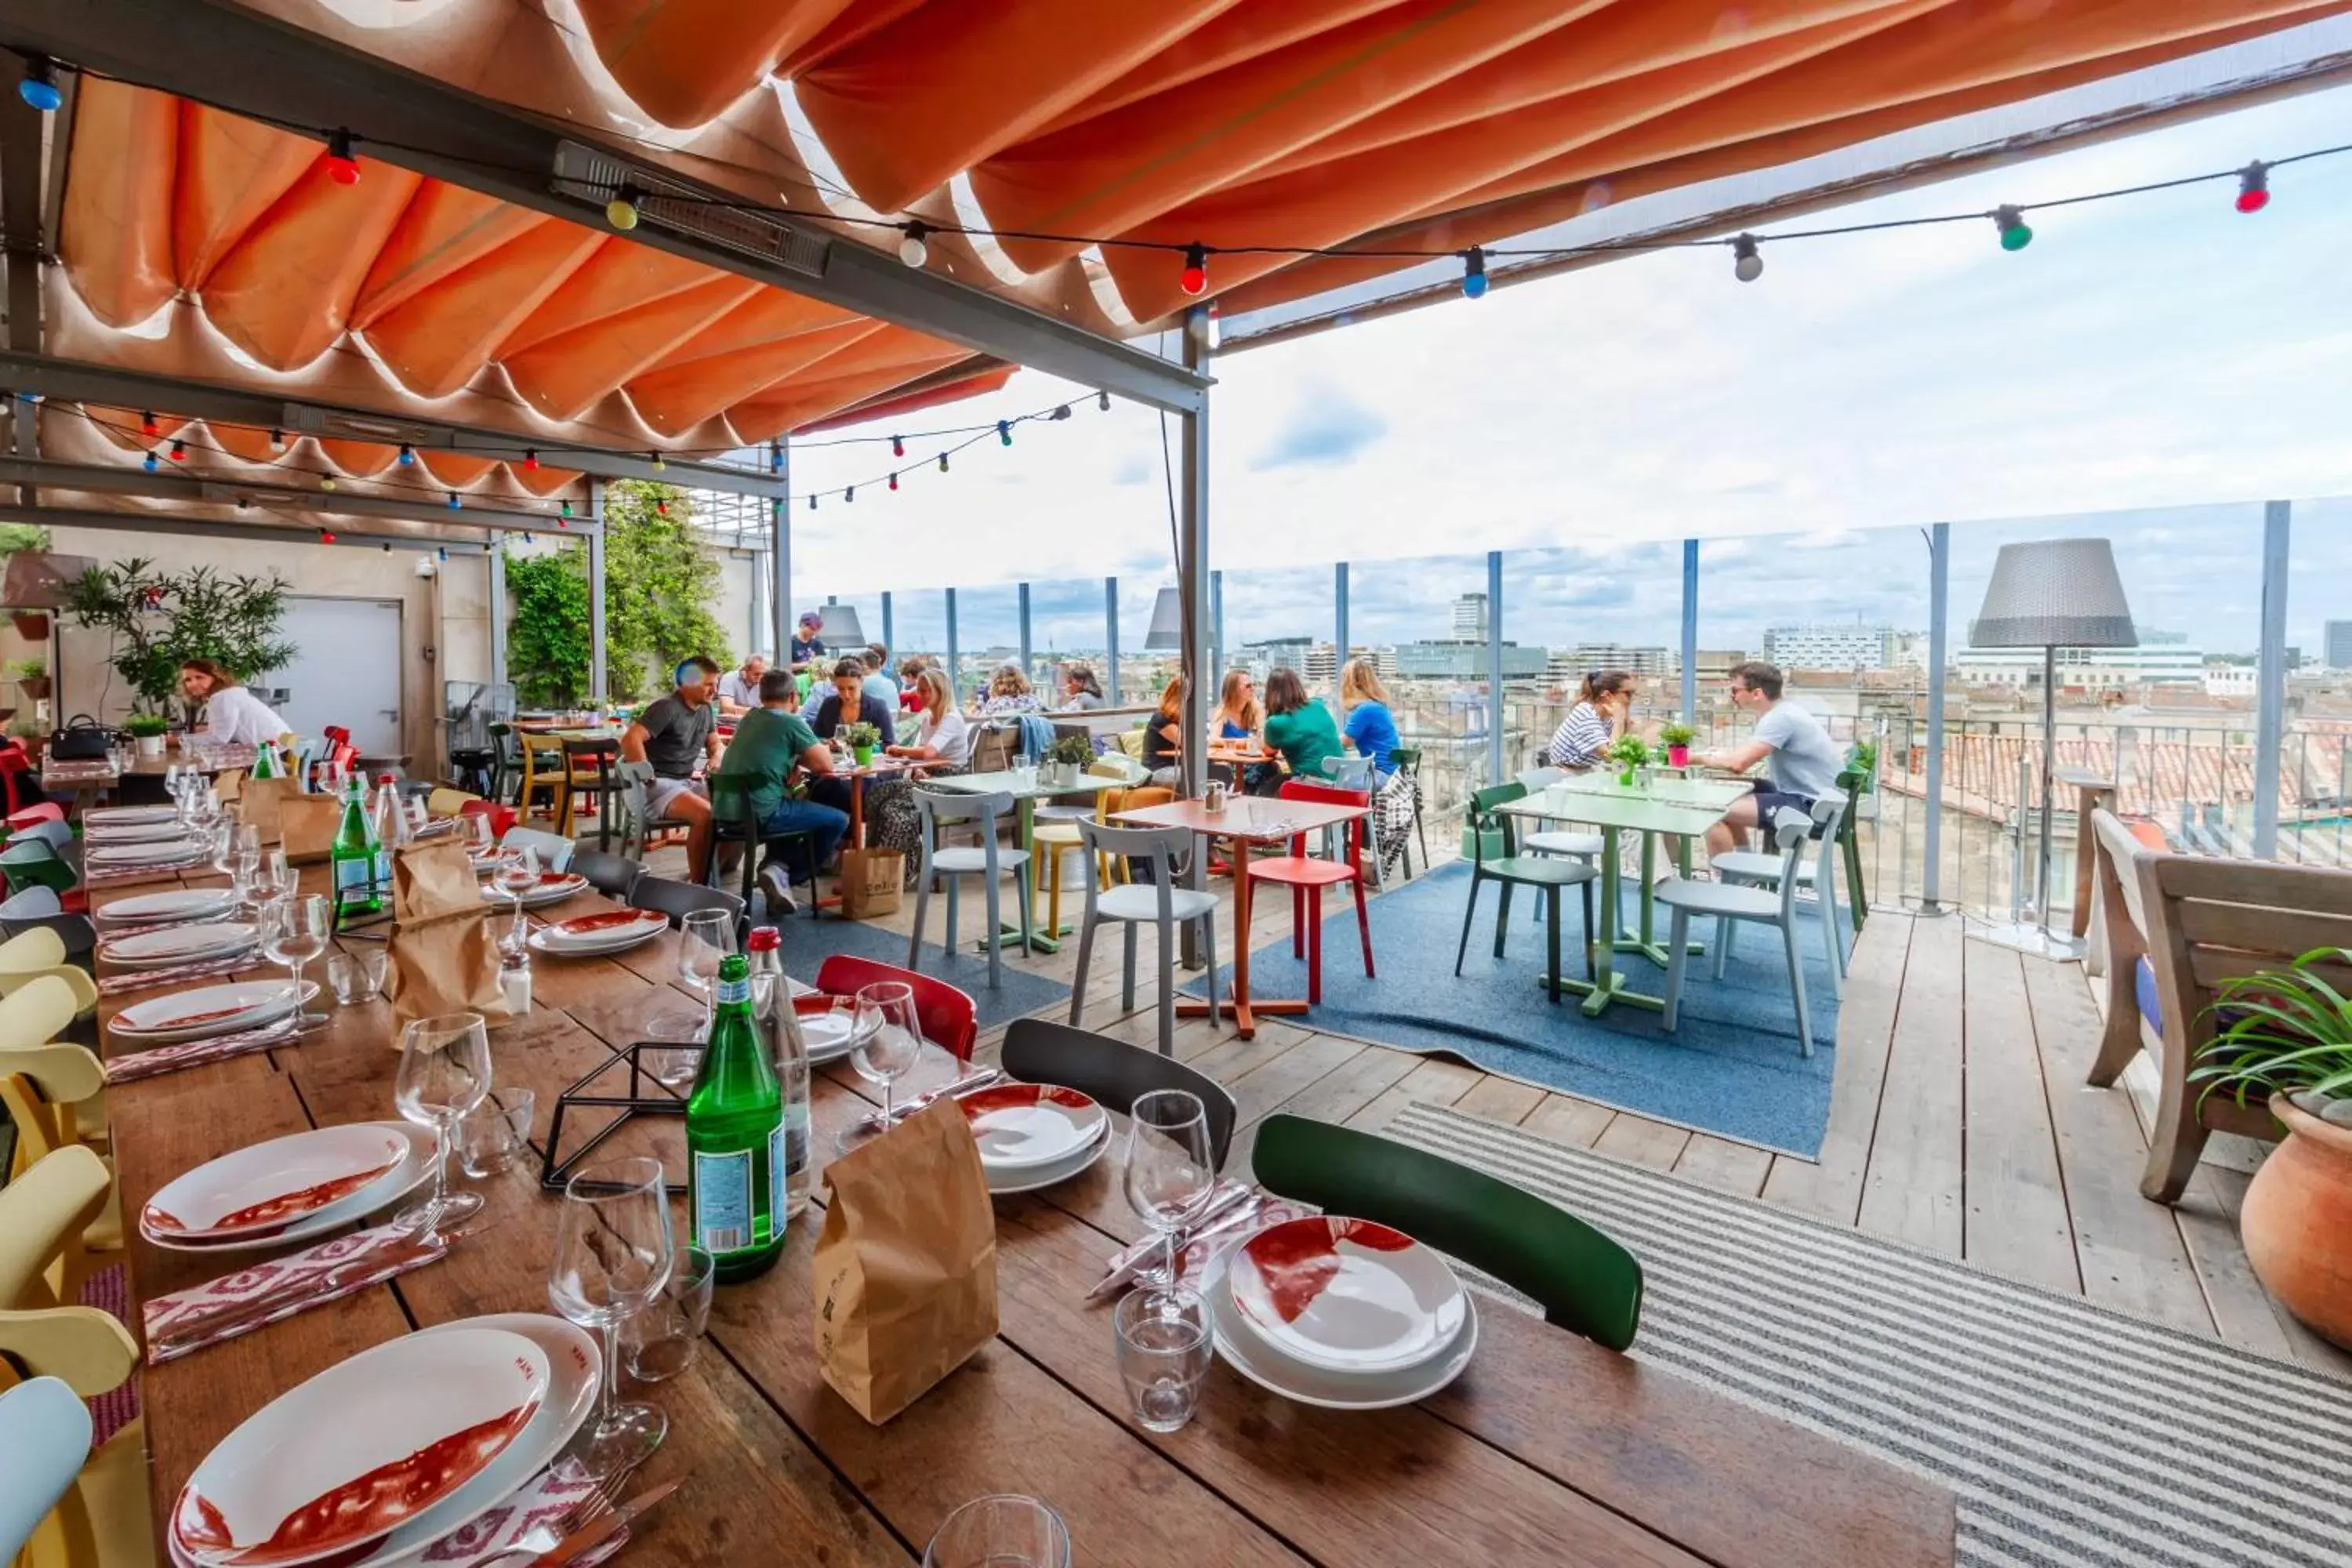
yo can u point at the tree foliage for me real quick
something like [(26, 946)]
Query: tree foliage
[(156, 622), (659, 582)]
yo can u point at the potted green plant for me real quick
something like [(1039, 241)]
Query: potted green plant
[(148, 730), (1677, 739), (863, 738), (1068, 758), (32, 676), (154, 622), (1629, 752), (2287, 1034)]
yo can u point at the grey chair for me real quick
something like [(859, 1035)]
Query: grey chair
[(632, 791), (555, 851), (1816, 878), (679, 899), (1726, 902), (45, 1432), (1158, 902), (1113, 1072), (989, 860), (614, 876)]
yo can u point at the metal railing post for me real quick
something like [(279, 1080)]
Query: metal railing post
[(779, 557), (1494, 668), (1690, 632), (1939, 596), (953, 690), (1026, 672), (1338, 630), (1217, 624), (889, 633), (1110, 637), (2270, 703)]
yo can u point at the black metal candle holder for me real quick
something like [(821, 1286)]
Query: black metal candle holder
[(555, 1167)]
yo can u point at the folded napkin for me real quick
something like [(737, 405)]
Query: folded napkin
[(549, 1499), (133, 980), (162, 1059), (238, 1304)]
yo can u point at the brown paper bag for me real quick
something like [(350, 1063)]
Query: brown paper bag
[(870, 880), (261, 803), (307, 825), (444, 956), (905, 1267)]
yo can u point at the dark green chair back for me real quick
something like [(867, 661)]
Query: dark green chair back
[(1584, 1282), (1482, 813)]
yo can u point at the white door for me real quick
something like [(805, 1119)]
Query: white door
[(346, 670)]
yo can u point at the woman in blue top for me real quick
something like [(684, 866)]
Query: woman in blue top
[(1370, 726)]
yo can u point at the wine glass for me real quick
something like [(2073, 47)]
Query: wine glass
[(294, 931), (613, 1254), (444, 1071), (1169, 1168), (888, 1041), (514, 878), (481, 834), (704, 938)]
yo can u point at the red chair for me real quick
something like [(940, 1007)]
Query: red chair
[(42, 811), (502, 816), (1307, 877), (15, 762), (947, 1015)]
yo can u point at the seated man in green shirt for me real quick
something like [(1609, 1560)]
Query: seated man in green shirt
[(771, 745), (1299, 728)]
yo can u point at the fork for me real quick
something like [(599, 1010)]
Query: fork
[(542, 1538)]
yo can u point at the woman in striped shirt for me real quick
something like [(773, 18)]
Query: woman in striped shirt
[(1604, 708)]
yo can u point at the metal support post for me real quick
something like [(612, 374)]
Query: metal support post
[(758, 618), (1110, 638), (1494, 668), (596, 594), (1192, 592), (1026, 673), (495, 563), (1690, 632), (779, 556), (1940, 600), (953, 692), (2270, 703), (1218, 658)]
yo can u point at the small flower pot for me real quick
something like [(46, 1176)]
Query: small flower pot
[(865, 756), (150, 746), (33, 625), (1677, 756)]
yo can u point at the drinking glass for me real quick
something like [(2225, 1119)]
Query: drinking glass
[(1002, 1531), (658, 1342), (248, 840), (223, 838), (704, 937), (683, 1032), (514, 878), (444, 1071), (481, 834), (888, 1041), (1163, 1354), (1169, 1169), (613, 1255), (294, 931), (492, 1134), (358, 975)]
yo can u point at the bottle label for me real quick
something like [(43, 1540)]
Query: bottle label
[(355, 871), (734, 991), (722, 1201)]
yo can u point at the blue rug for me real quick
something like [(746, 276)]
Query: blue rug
[(808, 943), (1733, 1066)]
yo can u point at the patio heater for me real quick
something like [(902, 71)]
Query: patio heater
[(1167, 633), (2050, 593), (840, 628)]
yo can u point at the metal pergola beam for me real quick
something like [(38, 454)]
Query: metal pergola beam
[(77, 381), (258, 533), (223, 54), (204, 489)]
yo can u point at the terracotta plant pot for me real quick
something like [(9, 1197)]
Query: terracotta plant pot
[(31, 624), (35, 687), (2297, 1222)]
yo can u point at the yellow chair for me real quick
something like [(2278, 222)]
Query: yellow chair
[(447, 802), (1057, 833), (31, 1016), (54, 1092), (38, 951), (544, 767), (103, 1521), (1110, 870)]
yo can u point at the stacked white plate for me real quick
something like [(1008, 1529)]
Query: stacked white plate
[(168, 827), (112, 816), (828, 1026), (1343, 1313), (554, 887), (587, 936), (379, 1457), (1032, 1136), (121, 857), (180, 904), (288, 1189), (208, 1010), (178, 944)]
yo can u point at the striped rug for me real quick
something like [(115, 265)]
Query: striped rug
[(2072, 1434)]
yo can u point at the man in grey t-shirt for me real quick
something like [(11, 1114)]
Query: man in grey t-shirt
[(1801, 762), (677, 734)]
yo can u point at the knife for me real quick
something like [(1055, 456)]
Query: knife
[(965, 1085), (594, 1534), (1233, 1203)]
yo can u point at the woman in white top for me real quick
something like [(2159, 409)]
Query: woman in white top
[(941, 744), (233, 716)]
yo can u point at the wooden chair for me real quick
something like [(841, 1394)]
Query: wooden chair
[(53, 1093), (588, 774), (443, 801), (1583, 1279), (1109, 804), (2177, 926), (949, 1016), (1511, 869), (1307, 876), (993, 747), (1113, 1072), (544, 767)]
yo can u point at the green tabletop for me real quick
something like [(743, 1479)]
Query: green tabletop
[(1027, 792)]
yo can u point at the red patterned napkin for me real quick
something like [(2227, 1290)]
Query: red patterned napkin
[(238, 1304), (548, 1501), (196, 1052), (147, 979)]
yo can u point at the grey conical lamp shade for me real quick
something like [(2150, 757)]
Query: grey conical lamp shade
[(841, 627), (1167, 622), (2054, 592)]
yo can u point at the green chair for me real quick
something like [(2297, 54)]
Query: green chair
[(32, 863), (1514, 869), (1854, 784), (1584, 1282)]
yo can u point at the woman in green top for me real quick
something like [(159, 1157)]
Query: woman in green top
[(1298, 727)]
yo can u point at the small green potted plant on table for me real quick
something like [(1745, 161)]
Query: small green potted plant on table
[(1068, 759), (1629, 752), (1677, 739), (863, 738), (148, 730)]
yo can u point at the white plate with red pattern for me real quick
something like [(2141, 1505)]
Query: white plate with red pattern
[(379, 1193), (209, 1010), (270, 1185), (1024, 1125), (1349, 1296), (179, 944), (554, 887), (179, 904), (1239, 1347), (608, 930), (369, 1447)]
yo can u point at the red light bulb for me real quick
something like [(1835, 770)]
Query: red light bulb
[(341, 167), (1194, 278), (531, 458), (2255, 187)]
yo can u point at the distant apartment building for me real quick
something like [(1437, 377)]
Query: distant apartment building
[(1470, 618), (2154, 663), (1263, 658), (1829, 646), (1465, 660), (2338, 642), (1569, 665)]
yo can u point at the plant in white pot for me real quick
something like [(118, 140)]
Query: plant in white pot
[(2287, 1034), (148, 730), (1069, 758)]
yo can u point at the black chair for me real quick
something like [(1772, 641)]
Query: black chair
[(506, 761), (1113, 1071), (679, 899), (614, 876), (733, 821)]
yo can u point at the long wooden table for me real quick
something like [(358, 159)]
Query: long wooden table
[(1549, 1449)]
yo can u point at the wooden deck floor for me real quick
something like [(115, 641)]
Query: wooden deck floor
[(1959, 1122)]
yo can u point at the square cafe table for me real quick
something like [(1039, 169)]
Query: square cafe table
[(1026, 788), (1682, 807), (1246, 819)]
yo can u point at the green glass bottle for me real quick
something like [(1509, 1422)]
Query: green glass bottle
[(736, 1165), (265, 761), (356, 860)]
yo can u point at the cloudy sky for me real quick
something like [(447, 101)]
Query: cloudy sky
[(2149, 369)]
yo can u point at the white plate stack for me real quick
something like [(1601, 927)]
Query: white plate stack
[(289, 1190), (179, 944), (179, 904), (1344, 1313), (208, 1011), (554, 887), (591, 936), (1032, 1136)]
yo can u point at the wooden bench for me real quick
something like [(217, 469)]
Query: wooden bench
[(2176, 926)]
